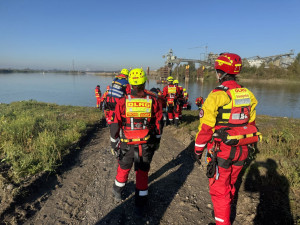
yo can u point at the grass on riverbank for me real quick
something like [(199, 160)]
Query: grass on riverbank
[(35, 136), (278, 152)]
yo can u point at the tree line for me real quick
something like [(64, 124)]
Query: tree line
[(264, 71)]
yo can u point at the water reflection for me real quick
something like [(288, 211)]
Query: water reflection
[(66, 89)]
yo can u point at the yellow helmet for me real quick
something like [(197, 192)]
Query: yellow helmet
[(137, 76), (184, 89), (125, 72), (170, 79), (175, 82)]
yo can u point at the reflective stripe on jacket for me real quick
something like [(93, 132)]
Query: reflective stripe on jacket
[(118, 88)]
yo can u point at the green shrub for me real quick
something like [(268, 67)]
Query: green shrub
[(35, 136)]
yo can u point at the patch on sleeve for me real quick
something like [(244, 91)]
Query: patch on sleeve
[(201, 113)]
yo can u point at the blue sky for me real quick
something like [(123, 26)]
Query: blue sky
[(111, 35)]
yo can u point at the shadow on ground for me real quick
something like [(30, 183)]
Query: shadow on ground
[(274, 204), (161, 192)]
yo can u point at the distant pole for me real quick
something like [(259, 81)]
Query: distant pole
[(73, 65)]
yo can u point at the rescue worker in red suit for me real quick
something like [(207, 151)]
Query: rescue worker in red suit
[(161, 100), (164, 105), (171, 94), (118, 89), (224, 109), (180, 99), (185, 99), (135, 135), (98, 95), (105, 108), (199, 102)]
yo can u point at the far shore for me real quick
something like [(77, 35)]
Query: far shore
[(154, 75), (271, 80)]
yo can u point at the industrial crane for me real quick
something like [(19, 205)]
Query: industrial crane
[(282, 60), (172, 59)]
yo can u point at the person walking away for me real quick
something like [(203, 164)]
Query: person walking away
[(105, 107), (228, 111), (171, 94), (161, 100), (180, 99), (185, 99), (98, 96), (199, 102), (135, 135), (164, 105), (119, 88)]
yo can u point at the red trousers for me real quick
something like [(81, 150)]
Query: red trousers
[(126, 162), (173, 112), (179, 110), (98, 102), (141, 177), (222, 191)]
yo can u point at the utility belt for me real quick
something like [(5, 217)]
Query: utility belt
[(170, 102), (233, 136), (136, 137), (238, 136)]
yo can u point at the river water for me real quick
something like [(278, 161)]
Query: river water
[(65, 89)]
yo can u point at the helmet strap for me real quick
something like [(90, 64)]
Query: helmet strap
[(222, 76)]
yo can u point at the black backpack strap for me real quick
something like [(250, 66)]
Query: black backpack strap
[(222, 87)]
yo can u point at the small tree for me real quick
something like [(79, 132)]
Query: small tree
[(294, 69)]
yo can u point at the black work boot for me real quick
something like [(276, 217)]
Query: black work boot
[(140, 203), (176, 122), (103, 122), (117, 192)]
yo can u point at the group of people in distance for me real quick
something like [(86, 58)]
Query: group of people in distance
[(172, 103), (137, 117)]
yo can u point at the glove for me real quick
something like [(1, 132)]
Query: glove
[(198, 158), (115, 152), (115, 142), (115, 146)]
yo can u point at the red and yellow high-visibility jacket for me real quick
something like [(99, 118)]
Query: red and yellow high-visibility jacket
[(97, 92), (210, 110)]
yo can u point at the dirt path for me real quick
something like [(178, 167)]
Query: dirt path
[(178, 189)]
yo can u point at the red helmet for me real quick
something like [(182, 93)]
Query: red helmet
[(107, 88), (229, 63)]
